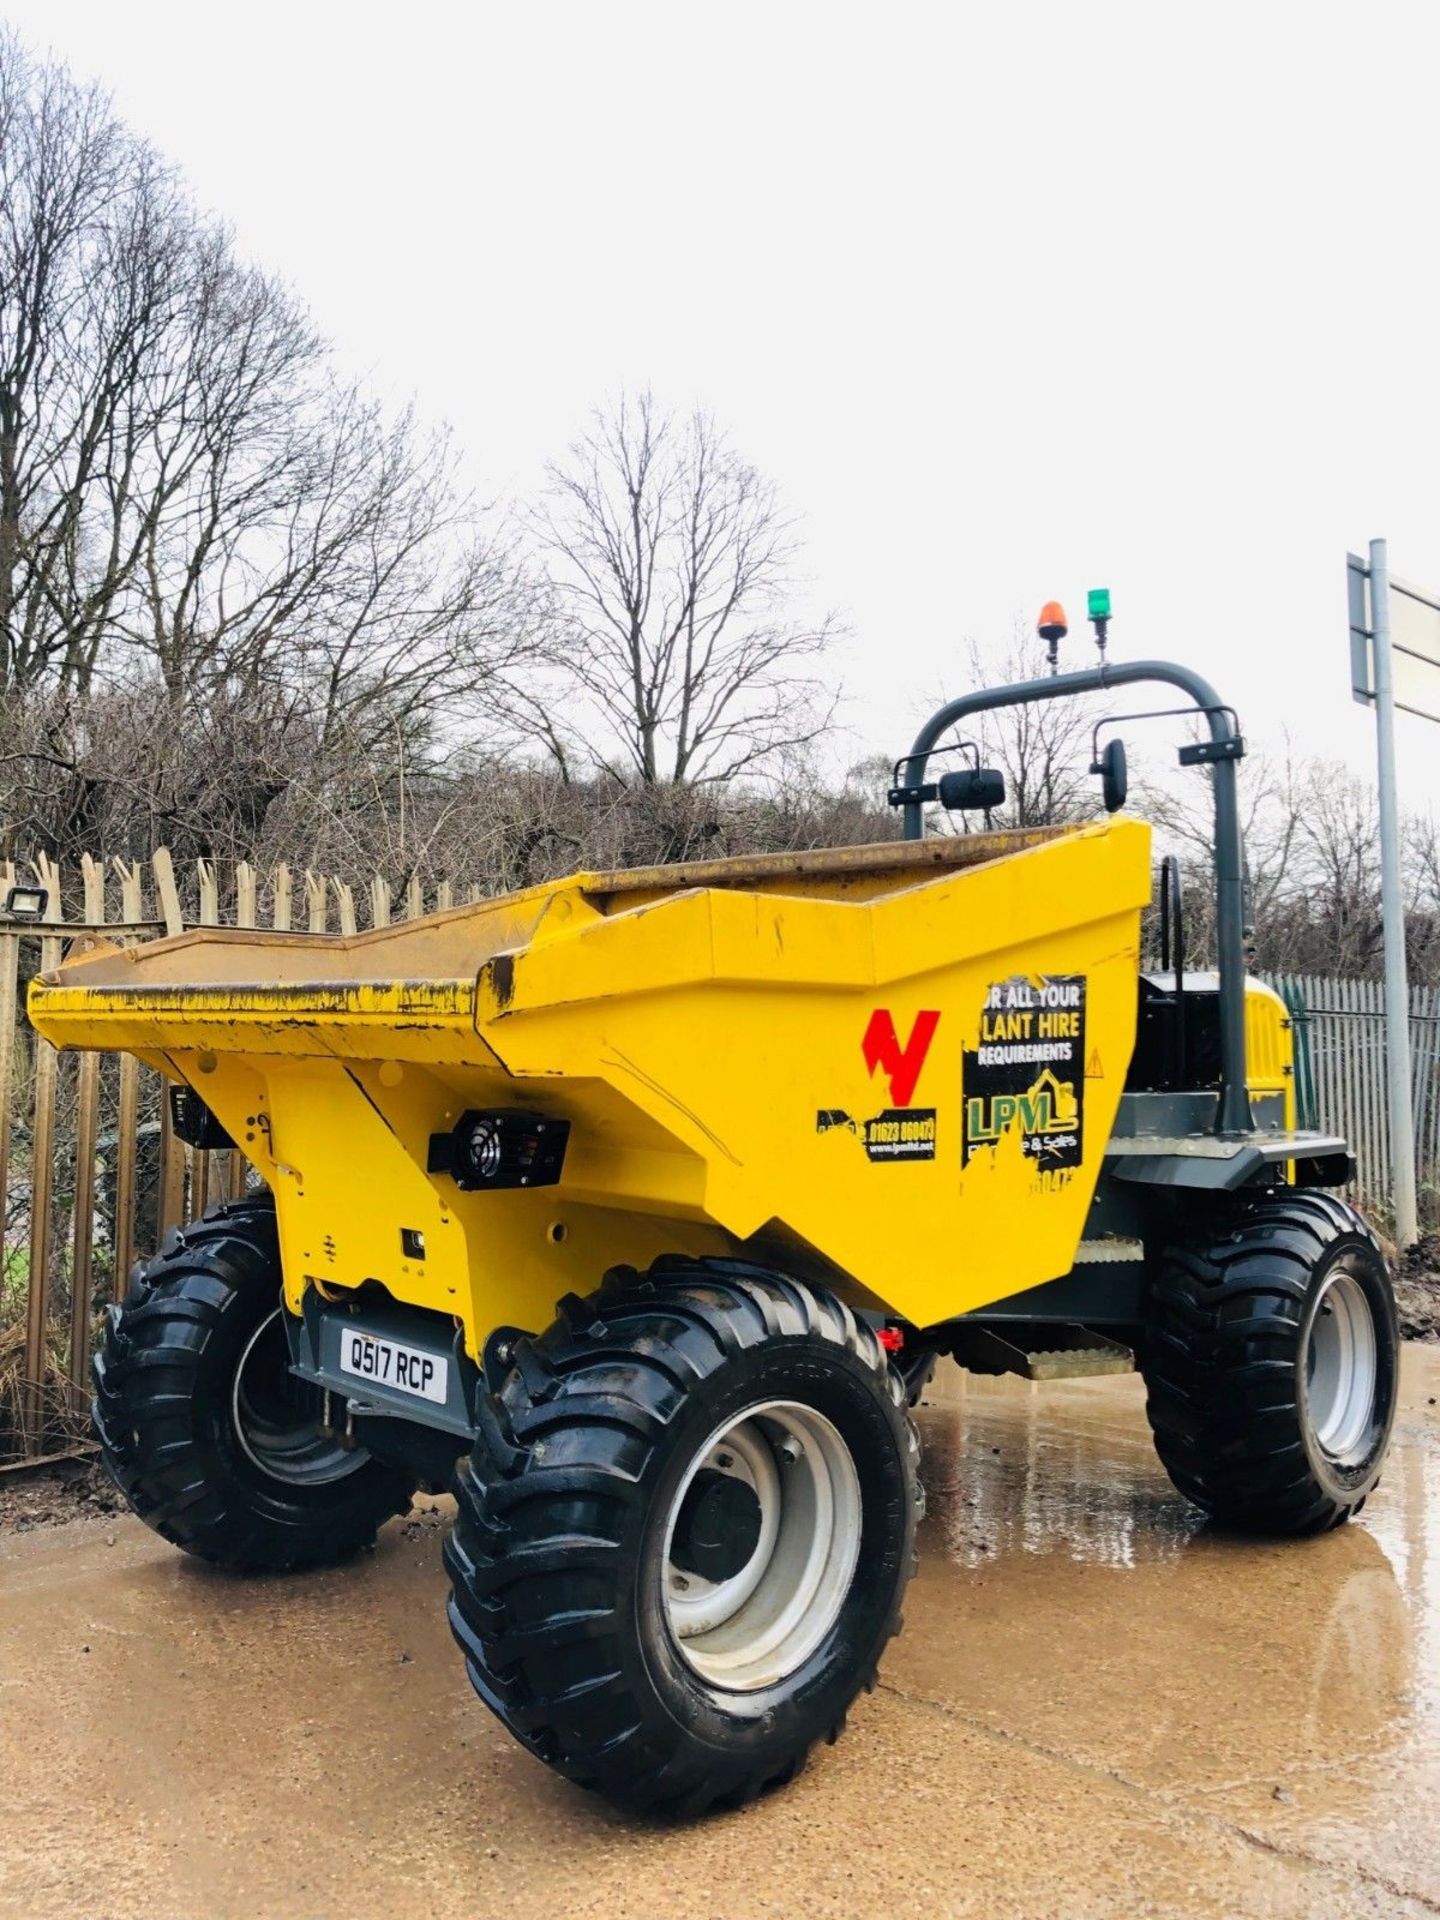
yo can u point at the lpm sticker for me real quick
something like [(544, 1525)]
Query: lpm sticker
[(1028, 1072)]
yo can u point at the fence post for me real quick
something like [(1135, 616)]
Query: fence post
[(9, 1021), (173, 1153), (164, 869), (245, 894), (87, 1112), (42, 1171), (132, 908), (209, 893)]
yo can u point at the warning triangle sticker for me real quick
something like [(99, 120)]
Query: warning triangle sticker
[(1094, 1068)]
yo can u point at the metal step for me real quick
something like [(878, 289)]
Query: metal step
[(1102, 1252), (1058, 1352)]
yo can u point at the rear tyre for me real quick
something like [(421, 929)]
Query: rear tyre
[(1272, 1365), (684, 1533), (211, 1439)]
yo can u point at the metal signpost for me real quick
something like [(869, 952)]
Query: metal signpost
[(1394, 662)]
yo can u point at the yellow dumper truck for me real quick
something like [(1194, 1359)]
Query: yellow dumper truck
[(636, 1207)]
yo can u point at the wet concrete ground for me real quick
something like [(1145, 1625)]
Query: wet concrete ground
[(1096, 1708)]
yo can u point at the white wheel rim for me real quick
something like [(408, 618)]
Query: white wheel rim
[(1341, 1366), (764, 1621)]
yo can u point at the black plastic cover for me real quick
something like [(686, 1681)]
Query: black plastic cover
[(500, 1147), (194, 1123)]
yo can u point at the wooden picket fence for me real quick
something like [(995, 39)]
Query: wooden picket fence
[(92, 1175)]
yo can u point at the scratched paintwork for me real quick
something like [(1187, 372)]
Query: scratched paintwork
[(692, 1024)]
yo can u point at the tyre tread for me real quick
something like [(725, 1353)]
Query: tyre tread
[(1220, 1363), (528, 1595), (145, 1376)]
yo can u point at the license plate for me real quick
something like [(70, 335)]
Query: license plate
[(390, 1363)]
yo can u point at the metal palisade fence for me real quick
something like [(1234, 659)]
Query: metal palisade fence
[(1340, 1078), (92, 1175)]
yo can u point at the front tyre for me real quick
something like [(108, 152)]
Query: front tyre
[(684, 1533), (202, 1426), (1272, 1365)]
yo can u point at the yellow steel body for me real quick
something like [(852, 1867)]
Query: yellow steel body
[(701, 1028)]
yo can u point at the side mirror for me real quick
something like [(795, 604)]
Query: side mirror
[(972, 790), (1114, 775)]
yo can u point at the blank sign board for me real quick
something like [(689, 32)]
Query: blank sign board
[(1414, 642)]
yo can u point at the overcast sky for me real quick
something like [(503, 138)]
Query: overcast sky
[(1010, 300)]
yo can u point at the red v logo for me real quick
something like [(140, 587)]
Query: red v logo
[(881, 1048)]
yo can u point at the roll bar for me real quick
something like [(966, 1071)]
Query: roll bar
[(1224, 747)]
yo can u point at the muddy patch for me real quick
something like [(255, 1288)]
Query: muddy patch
[(1417, 1295), (49, 1496), (1417, 1288)]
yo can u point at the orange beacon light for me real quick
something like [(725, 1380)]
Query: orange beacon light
[(1052, 626)]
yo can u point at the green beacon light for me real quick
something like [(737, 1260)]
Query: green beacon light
[(1099, 612)]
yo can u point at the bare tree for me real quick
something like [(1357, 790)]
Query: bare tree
[(673, 655), (1312, 863), (71, 188), (192, 501), (1182, 811)]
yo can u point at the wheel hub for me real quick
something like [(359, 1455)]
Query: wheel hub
[(718, 1527), (761, 1545)]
